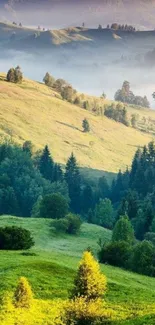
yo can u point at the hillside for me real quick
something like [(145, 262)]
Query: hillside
[(32, 111), (54, 260)]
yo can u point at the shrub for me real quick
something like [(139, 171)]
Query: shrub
[(142, 258), (60, 225), (116, 254), (89, 282), (15, 238), (53, 206), (23, 296), (74, 224), (70, 224), (82, 312)]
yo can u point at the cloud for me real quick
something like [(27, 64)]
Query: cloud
[(9, 6)]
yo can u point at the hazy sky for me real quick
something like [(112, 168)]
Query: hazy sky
[(59, 13)]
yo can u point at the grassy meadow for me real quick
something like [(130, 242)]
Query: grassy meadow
[(32, 111), (50, 267)]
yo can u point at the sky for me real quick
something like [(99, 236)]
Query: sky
[(63, 13)]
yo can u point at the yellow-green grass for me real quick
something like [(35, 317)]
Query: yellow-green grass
[(57, 257), (32, 111), (51, 264)]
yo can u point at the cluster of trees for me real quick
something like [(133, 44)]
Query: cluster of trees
[(128, 28), (117, 113), (125, 95), (15, 75), (134, 191), (61, 86), (29, 180), (124, 251)]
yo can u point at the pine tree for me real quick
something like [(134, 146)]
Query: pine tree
[(85, 125), (89, 283), (87, 198), (23, 296), (57, 173), (103, 188), (46, 164), (73, 179)]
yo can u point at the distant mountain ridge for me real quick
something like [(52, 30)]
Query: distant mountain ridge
[(138, 12)]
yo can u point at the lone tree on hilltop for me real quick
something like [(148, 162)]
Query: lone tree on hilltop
[(86, 126)]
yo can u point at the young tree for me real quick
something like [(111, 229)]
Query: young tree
[(85, 125), (73, 179), (23, 297), (104, 213), (123, 231), (89, 282)]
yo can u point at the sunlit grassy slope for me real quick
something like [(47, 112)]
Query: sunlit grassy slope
[(52, 268), (32, 111)]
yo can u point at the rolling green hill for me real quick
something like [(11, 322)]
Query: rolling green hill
[(32, 111), (54, 260)]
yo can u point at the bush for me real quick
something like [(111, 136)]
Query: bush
[(53, 206), (116, 254), (82, 312), (60, 225), (143, 258), (23, 296), (70, 224), (74, 224), (15, 238)]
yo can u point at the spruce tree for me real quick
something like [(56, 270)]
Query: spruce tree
[(85, 125), (73, 179), (87, 198), (46, 164)]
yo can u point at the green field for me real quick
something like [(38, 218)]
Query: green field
[(52, 268)]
